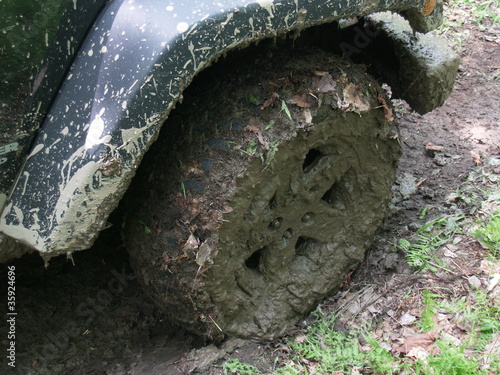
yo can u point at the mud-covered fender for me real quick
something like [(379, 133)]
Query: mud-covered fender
[(128, 75)]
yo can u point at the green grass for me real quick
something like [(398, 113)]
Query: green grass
[(420, 254), (484, 10), (484, 14), (481, 11), (489, 234), (451, 361), (431, 307), (332, 350), (322, 350), (284, 107), (234, 366)]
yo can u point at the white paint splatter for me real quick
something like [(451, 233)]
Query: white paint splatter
[(19, 232), (268, 5), (229, 18), (170, 8), (27, 176), (191, 49), (182, 27), (95, 131), (36, 150)]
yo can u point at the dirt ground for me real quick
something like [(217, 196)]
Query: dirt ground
[(93, 318)]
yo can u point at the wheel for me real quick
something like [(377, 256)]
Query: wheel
[(263, 192)]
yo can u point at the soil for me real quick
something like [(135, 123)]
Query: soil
[(89, 315)]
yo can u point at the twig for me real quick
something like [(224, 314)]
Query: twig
[(213, 321), (443, 268)]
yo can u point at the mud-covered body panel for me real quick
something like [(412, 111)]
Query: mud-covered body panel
[(128, 75), (52, 30)]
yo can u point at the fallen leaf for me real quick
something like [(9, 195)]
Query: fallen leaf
[(452, 198), (489, 268), (452, 339), (495, 279), (191, 245), (476, 157), (387, 111), (320, 73), (354, 97), (432, 147), (204, 254), (407, 318), (418, 352), (493, 348), (448, 253), (311, 365), (305, 100), (463, 324), (324, 83), (270, 101), (374, 309), (308, 116), (255, 126), (300, 339), (423, 340)]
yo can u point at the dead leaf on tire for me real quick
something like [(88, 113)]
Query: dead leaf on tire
[(387, 111), (354, 98), (270, 101), (324, 83), (255, 126), (305, 100), (425, 341), (191, 245)]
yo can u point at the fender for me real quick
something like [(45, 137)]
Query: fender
[(128, 75)]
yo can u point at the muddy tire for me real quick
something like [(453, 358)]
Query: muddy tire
[(263, 192)]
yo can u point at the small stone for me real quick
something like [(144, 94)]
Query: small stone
[(440, 160), (474, 281), (407, 319)]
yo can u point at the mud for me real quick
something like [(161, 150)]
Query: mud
[(427, 65)]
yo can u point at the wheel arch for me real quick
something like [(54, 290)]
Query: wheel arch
[(138, 57)]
